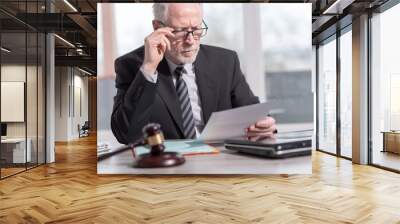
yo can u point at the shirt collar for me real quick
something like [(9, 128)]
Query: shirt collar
[(172, 66)]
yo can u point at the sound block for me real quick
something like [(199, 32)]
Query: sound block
[(164, 159)]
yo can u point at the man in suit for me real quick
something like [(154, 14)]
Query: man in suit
[(177, 82)]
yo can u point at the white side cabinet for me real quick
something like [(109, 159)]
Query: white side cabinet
[(17, 147)]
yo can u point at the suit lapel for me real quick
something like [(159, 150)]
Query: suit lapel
[(207, 84), (166, 91)]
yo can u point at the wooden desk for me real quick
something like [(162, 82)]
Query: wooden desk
[(391, 141), (225, 162)]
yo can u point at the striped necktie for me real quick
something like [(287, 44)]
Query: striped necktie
[(186, 109)]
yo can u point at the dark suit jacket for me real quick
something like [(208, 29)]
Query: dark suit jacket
[(138, 102)]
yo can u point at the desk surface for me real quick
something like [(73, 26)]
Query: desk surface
[(225, 162)]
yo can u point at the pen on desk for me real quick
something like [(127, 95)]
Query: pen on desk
[(121, 149), (109, 154)]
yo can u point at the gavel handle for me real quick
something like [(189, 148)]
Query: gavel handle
[(119, 150)]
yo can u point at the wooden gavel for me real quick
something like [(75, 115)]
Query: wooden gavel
[(153, 136)]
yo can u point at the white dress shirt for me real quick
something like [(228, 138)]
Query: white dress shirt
[(190, 79)]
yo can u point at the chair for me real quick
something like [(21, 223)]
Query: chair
[(84, 129)]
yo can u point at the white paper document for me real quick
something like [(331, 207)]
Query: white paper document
[(232, 123)]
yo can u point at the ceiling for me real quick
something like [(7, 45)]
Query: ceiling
[(76, 22), (77, 25)]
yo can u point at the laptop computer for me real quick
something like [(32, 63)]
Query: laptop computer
[(272, 147)]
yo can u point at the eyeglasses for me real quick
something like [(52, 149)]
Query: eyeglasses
[(183, 33)]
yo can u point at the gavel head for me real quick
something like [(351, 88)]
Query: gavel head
[(154, 137)]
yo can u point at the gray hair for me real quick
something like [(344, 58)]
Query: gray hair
[(160, 11)]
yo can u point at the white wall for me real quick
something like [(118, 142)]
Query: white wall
[(14, 73), (80, 94), (61, 103), (33, 125), (71, 93), (17, 73)]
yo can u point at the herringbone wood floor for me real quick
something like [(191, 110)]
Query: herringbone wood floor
[(70, 191)]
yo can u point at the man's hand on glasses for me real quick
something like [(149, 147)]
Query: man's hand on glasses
[(155, 46)]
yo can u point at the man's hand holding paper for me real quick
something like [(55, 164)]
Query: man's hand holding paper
[(263, 128), (251, 121)]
